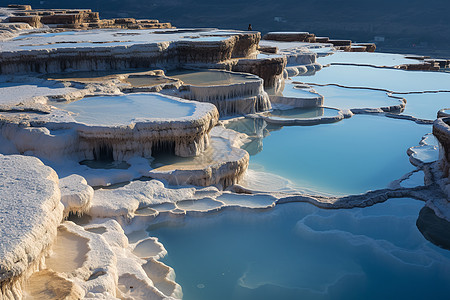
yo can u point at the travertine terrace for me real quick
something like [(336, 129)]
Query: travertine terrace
[(111, 129)]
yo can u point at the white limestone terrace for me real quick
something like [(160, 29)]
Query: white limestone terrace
[(30, 213), (303, 116), (86, 129), (231, 92), (94, 49), (106, 264), (295, 95), (98, 262), (96, 38), (223, 164), (148, 199), (25, 92), (10, 30), (301, 57)]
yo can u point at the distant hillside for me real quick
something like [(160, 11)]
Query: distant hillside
[(407, 25)]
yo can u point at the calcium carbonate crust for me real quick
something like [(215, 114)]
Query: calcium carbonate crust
[(66, 137), (30, 213)]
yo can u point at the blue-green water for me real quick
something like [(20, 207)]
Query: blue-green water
[(297, 251), (426, 106), (353, 156), (344, 98), (302, 113), (209, 77), (291, 91), (124, 109), (390, 79), (367, 58)]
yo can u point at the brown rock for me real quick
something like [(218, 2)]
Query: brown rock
[(358, 48), (340, 42), (34, 21), (322, 39), (370, 47), (268, 49), (62, 19), (21, 7), (287, 36)]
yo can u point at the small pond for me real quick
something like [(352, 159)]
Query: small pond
[(125, 109)]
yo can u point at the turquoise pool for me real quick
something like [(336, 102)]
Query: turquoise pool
[(297, 251), (365, 152)]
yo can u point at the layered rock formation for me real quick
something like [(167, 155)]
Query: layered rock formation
[(75, 18), (244, 96), (306, 37)]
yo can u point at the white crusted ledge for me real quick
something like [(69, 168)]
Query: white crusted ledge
[(30, 212)]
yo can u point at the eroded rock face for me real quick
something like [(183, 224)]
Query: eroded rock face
[(30, 214), (270, 70)]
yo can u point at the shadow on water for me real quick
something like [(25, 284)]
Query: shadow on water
[(433, 228)]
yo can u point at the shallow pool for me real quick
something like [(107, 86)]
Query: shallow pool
[(367, 58), (125, 109), (86, 76), (146, 80), (390, 79), (353, 156), (426, 106), (290, 90), (297, 251), (303, 113), (209, 77), (344, 98)]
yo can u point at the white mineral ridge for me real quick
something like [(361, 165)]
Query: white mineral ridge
[(98, 273), (76, 194), (126, 200), (121, 272), (30, 211)]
